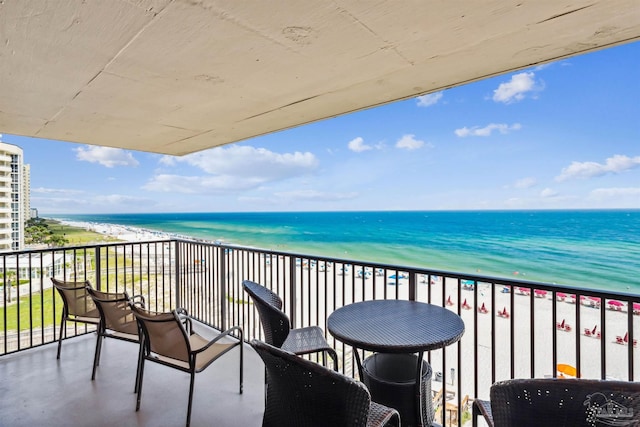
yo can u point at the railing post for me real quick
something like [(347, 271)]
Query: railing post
[(292, 291), (222, 254), (412, 286), (177, 290), (98, 269)]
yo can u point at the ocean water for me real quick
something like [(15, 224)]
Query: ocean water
[(597, 249)]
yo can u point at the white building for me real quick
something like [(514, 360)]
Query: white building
[(13, 197)]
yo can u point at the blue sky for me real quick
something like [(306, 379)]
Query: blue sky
[(565, 135)]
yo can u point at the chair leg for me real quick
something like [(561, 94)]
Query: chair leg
[(139, 383), (193, 375), (334, 356), (241, 359), (96, 357), (63, 322), (138, 367), (474, 414)]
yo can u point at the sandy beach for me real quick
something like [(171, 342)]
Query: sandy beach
[(121, 232)]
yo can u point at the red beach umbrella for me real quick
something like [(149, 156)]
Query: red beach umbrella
[(615, 303)]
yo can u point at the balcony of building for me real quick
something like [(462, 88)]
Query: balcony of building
[(513, 329)]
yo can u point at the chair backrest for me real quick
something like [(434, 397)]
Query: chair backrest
[(115, 311), (303, 393), (76, 299), (275, 323), (164, 333), (565, 402)]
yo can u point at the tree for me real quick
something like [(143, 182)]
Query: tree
[(36, 231), (56, 240)]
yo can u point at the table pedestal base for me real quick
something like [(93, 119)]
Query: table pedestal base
[(391, 379)]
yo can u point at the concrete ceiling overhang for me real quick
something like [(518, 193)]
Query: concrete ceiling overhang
[(178, 76)]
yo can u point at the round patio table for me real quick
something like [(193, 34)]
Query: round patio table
[(396, 327)]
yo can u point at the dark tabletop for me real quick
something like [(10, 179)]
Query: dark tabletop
[(395, 326)]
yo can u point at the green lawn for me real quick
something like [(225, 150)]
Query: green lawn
[(37, 305), (76, 235)]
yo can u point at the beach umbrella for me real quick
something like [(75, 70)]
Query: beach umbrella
[(540, 292), (394, 278), (615, 303), (567, 369), (636, 307)]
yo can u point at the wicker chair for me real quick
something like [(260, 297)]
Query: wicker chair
[(116, 321), (166, 340), (78, 306), (302, 393), (277, 327), (560, 402)]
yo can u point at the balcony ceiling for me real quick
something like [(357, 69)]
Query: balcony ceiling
[(178, 76)]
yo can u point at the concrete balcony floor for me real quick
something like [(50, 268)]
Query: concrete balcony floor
[(38, 390)]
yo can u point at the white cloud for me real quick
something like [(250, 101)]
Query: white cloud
[(525, 183), (168, 183), (167, 160), (313, 195), (358, 145), (44, 190), (487, 130), (548, 192), (515, 89), (234, 168), (120, 200), (106, 156), (609, 193), (237, 160), (429, 99), (615, 164), (409, 142)]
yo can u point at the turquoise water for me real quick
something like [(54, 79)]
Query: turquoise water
[(597, 249)]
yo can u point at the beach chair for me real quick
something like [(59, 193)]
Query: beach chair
[(116, 321), (78, 307), (277, 327), (303, 393), (560, 402), (169, 339)]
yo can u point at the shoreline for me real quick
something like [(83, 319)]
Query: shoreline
[(128, 233)]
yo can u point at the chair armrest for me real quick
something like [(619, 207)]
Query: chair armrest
[(138, 300), (220, 336), (186, 320), (482, 407)]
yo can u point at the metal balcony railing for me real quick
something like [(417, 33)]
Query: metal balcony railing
[(514, 328)]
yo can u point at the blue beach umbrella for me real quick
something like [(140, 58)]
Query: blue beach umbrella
[(395, 277)]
